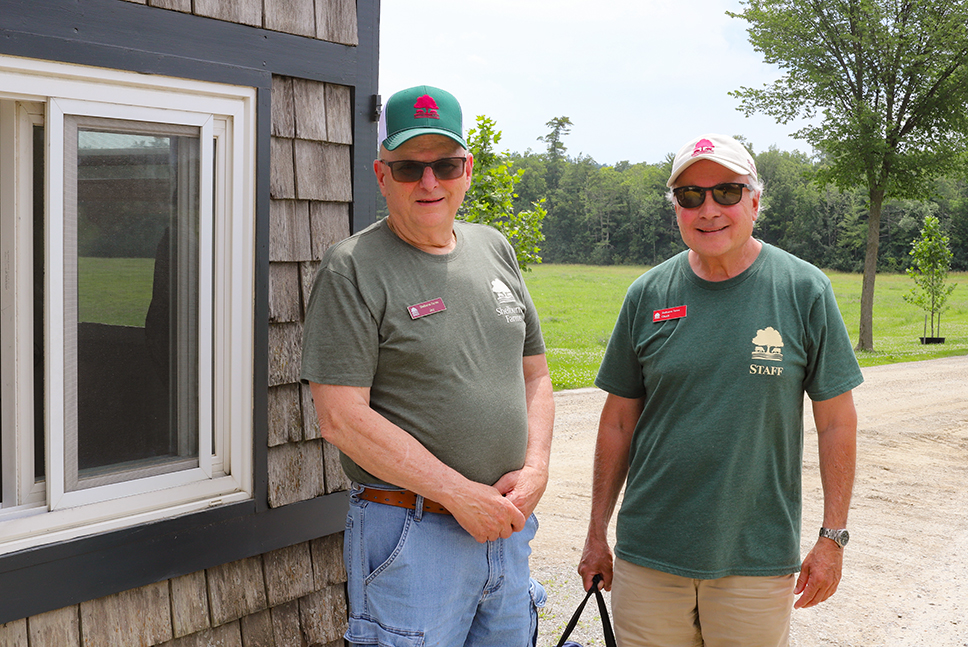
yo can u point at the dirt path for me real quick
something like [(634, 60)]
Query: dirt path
[(906, 568)]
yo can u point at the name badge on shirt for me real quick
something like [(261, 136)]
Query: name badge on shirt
[(668, 313), (426, 308)]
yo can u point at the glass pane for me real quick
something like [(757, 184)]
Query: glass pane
[(137, 303)]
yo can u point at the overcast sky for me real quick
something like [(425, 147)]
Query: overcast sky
[(637, 78)]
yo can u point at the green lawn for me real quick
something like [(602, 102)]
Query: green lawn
[(115, 291), (578, 305)]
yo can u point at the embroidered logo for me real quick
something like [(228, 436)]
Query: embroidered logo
[(511, 313), (501, 291), (703, 147), (426, 108), (767, 345)]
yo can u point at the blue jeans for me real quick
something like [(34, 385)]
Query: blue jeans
[(417, 579)]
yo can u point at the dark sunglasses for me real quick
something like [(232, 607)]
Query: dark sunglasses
[(726, 194), (447, 168)]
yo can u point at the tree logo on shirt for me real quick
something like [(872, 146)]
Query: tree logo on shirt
[(767, 345), (501, 291)]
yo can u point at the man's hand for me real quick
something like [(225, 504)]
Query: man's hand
[(596, 558), (484, 513), (820, 574), (523, 488)]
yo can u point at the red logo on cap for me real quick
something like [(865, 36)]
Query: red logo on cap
[(703, 147), (426, 108)]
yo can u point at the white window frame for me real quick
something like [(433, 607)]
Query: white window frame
[(39, 513)]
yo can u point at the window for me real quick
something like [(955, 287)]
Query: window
[(127, 277)]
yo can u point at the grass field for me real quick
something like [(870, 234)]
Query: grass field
[(578, 305), (115, 291)]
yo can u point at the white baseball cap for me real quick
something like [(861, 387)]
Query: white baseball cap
[(722, 149)]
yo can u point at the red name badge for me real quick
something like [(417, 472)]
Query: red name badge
[(668, 313), (426, 308)]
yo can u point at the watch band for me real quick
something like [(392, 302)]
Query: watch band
[(838, 535)]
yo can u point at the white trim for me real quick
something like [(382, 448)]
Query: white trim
[(31, 79), (28, 529), (13, 301), (55, 359), (224, 471), (222, 201), (206, 328), (31, 492)]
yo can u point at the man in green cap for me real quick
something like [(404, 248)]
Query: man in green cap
[(427, 367)]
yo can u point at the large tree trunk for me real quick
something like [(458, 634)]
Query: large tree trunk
[(865, 339)]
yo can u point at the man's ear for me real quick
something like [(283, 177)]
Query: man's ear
[(468, 168), (380, 171)]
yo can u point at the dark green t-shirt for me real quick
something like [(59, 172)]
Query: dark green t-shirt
[(716, 457), (438, 339)]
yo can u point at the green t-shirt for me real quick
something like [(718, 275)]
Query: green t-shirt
[(438, 339), (715, 462)]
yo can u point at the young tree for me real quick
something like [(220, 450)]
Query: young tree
[(490, 200), (932, 259), (889, 80)]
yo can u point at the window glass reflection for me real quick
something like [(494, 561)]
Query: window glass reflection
[(137, 303)]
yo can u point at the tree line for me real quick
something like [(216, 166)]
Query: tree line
[(619, 214)]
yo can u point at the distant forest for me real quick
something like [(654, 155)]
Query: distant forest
[(619, 215)]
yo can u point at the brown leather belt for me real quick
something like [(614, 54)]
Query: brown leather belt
[(400, 499)]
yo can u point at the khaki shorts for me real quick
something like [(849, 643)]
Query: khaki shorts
[(656, 609)]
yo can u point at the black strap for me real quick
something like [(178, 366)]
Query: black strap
[(602, 609)]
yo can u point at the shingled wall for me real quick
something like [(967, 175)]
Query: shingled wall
[(293, 597), (311, 189), (296, 596)]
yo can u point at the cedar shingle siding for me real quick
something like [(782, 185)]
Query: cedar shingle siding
[(294, 595), (278, 599)]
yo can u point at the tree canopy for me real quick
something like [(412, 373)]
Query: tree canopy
[(885, 84), (490, 199)]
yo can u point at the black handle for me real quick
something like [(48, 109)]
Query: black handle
[(603, 611)]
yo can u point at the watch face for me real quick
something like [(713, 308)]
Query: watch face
[(839, 536)]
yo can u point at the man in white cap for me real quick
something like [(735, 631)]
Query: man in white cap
[(703, 426), (427, 367)]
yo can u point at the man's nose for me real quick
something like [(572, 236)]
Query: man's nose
[(428, 180), (708, 205)]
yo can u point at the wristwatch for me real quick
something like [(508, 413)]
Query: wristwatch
[(840, 536)]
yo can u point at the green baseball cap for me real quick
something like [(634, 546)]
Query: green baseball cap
[(421, 110)]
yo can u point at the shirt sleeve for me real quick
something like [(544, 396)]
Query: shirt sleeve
[(832, 367), (621, 372), (340, 338)]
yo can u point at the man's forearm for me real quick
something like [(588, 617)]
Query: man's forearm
[(610, 470), (539, 395), (837, 466), (836, 421), (618, 420), (525, 487), (377, 445)]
